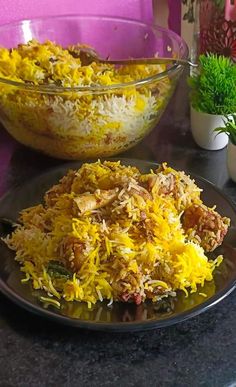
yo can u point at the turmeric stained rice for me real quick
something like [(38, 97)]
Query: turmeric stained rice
[(68, 123), (109, 232)]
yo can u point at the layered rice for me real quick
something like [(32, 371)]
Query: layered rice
[(109, 232), (74, 124)]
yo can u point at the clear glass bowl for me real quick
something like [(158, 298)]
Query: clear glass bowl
[(89, 121)]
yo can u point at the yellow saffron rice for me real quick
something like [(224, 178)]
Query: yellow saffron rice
[(75, 124), (104, 233)]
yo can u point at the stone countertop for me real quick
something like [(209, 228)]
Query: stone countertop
[(198, 352)]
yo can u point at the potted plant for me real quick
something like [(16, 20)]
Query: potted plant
[(229, 129), (212, 97)]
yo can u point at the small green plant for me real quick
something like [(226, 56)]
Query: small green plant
[(230, 128), (213, 85)]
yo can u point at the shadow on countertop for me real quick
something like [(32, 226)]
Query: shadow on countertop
[(178, 355)]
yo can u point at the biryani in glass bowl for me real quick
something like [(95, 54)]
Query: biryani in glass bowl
[(50, 100)]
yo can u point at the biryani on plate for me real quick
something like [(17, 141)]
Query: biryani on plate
[(109, 232), (71, 109)]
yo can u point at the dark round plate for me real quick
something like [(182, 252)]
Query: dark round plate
[(120, 316)]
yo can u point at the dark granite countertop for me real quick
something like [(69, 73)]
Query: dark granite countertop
[(198, 352)]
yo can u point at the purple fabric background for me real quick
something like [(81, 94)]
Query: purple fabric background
[(137, 9), (174, 20), (25, 9)]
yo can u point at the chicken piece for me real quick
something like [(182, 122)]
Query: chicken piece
[(89, 202), (205, 225), (164, 184), (135, 297), (176, 185), (72, 251), (63, 187), (33, 216), (85, 53), (141, 191)]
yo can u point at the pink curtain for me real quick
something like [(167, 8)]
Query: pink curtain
[(12, 10), (174, 20), (26, 9)]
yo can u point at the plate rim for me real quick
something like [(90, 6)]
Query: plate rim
[(131, 326)]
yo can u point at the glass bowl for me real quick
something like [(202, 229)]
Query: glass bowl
[(95, 120)]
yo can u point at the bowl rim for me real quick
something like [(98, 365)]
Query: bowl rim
[(53, 89)]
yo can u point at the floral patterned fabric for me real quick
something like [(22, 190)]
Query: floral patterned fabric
[(217, 31)]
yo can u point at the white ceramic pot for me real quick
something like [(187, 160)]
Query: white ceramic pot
[(203, 125), (231, 161)]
